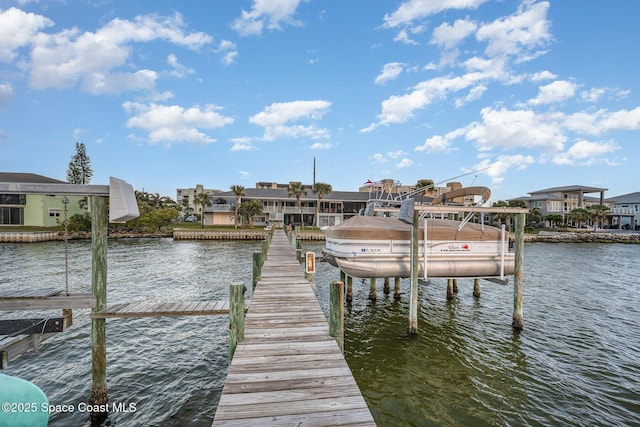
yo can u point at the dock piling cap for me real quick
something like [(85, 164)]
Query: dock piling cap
[(24, 404)]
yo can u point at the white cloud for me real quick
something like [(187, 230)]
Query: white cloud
[(404, 163), (435, 144), (245, 174), (404, 37), (416, 10), (320, 146), (508, 129), (378, 158), (400, 108), (498, 168), (64, 59), (448, 36), (18, 29), (518, 34), (557, 91), (242, 144), (174, 123), (228, 51), (593, 94), (269, 14), (543, 75), (278, 118), (396, 154), (390, 71), (586, 153), (179, 70)]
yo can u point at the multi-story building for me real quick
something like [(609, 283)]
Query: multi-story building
[(280, 207), (562, 200), (186, 199), (625, 210), (36, 210)]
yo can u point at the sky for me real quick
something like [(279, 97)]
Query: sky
[(517, 96)]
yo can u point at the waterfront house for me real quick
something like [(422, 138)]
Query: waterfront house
[(625, 210), (280, 208), (36, 210)]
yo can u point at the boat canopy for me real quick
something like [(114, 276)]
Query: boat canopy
[(384, 228)]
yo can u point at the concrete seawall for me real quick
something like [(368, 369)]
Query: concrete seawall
[(584, 237)]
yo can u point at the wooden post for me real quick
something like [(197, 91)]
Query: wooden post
[(372, 289), (298, 249), (396, 288), (476, 288), (257, 269), (265, 249), (236, 317), (455, 286), (386, 286), (413, 302), (449, 288), (518, 279), (336, 312), (99, 223), (349, 288)]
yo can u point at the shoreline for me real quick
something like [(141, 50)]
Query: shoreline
[(628, 237)]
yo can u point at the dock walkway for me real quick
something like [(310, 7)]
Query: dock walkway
[(288, 370)]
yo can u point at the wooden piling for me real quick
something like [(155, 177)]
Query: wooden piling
[(257, 268), (476, 288), (349, 288), (336, 312), (413, 302), (372, 289), (387, 290), (396, 288), (236, 317), (99, 223), (518, 279), (449, 289)]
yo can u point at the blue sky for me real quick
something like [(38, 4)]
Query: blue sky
[(170, 94)]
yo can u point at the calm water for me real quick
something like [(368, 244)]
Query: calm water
[(577, 361)]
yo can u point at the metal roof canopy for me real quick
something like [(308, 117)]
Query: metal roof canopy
[(122, 199), (58, 189), (457, 209)]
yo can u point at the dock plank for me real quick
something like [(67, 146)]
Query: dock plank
[(288, 370), (162, 309)]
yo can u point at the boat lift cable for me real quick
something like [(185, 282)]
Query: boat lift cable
[(428, 187), (65, 202)]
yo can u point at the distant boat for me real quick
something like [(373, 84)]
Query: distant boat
[(376, 246)]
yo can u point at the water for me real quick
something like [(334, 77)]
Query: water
[(577, 361)]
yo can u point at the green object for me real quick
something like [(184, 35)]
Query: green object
[(22, 403)]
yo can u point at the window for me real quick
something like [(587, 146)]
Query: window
[(11, 216), (55, 213), (13, 199)]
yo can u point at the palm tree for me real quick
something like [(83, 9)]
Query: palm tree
[(597, 213), (297, 189), (321, 189), (554, 219), (238, 190), (249, 209), (578, 215), (427, 184), (203, 199)]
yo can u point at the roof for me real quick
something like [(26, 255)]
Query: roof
[(626, 198), (570, 189), (282, 193), (28, 178)]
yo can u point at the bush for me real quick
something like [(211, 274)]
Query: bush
[(80, 222)]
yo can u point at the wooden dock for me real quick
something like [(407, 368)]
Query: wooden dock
[(157, 309), (288, 370)]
